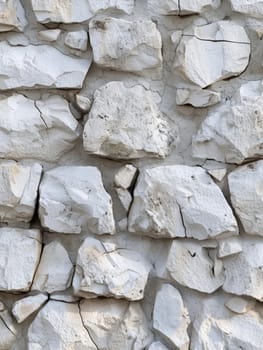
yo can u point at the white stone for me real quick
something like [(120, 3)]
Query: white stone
[(125, 198), (42, 130), (76, 11), (103, 269), (73, 199), (115, 127), (229, 246), (197, 97), (182, 7), (243, 271), (126, 45), (189, 264), (19, 256), (26, 66), (217, 174), (83, 102), (239, 305), (253, 8), (125, 176), (49, 35), (157, 346), (77, 40), (233, 132), (8, 330), (179, 201), (12, 16), (212, 52), (116, 324), (170, 317), (55, 270), (246, 193), (59, 325), (18, 190), (65, 296), (25, 307)]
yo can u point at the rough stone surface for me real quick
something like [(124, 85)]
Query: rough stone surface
[(182, 7), (239, 305), (12, 16), (25, 307), (8, 331), (197, 97), (229, 246), (125, 176), (157, 346), (49, 35), (253, 8), (77, 40)]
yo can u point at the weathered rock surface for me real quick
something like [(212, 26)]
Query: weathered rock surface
[(55, 270), (116, 325), (197, 97), (76, 11), (253, 8), (8, 331), (26, 66), (179, 201), (103, 269), (19, 256), (125, 122), (126, 45), (77, 40), (182, 7), (239, 305), (43, 129), (157, 346), (12, 16), (170, 317), (125, 176), (246, 190), (18, 190), (49, 35), (229, 246), (189, 264), (59, 325), (73, 199), (233, 132), (25, 307), (125, 197), (212, 52)]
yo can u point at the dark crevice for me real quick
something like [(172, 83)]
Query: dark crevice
[(41, 115), (86, 327), (217, 41), (4, 322)]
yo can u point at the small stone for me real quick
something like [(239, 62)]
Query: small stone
[(77, 40), (25, 307), (49, 35), (239, 305), (229, 246), (125, 176), (197, 97), (12, 16), (83, 102), (65, 296), (8, 330), (217, 174), (125, 198)]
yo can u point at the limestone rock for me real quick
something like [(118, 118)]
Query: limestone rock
[(197, 97), (76, 11), (103, 269), (43, 129), (60, 325), (245, 185), (20, 252), (77, 40), (12, 16), (182, 7), (27, 67), (49, 35), (116, 129), (55, 270), (137, 49), (217, 174), (73, 199), (18, 190), (8, 331), (25, 307), (170, 317), (125, 176), (253, 8), (234, 132), (179, 201), (243, 271), (125, 198), (239, 305), (190, 265), (116, 324), (83, 102), (229, 246), (212, 52), (157, 346)]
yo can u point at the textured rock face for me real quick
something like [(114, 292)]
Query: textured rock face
[(182, 7), (12, 16), (103, 269), (8, 331), (253, 8), (137, 49), (179, 201), (126, 123), (197, 97), (20, 252), (25, 307), (73, 199), (212, 52)]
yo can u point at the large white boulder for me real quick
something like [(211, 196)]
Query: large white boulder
[(212, 52), (253, 8), (25, 307), (12, 16), (180, 201), (125, 122), (19, 256), (124, 45), (73, 199), (182, 7), (43, 129), (103, 269)]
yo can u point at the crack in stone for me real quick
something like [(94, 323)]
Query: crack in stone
[(216, 41), (40, 114), (86, 327), (4, 322)]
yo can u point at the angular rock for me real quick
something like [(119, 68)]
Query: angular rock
[(253, 8), (234, 132), (212, 52), (125, 176), (243, 271), (197, 97), (73, 199), (8, 331), (12, 16), (19, 256), (105, 270), (246, 192), (25, 307), (157, 346), (116, 325), (190, 265), (170, 317), (18, 190), (137, 49), (49, 35), (59, 325), (229, 246), (26, 67), (76, 11), (83, 102), (239, 305), (179, 201), (116, 129), (125, 198), (55, 270), (42, 130), (182, 7), (77, 40), (217, 174)]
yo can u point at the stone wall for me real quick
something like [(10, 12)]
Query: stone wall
[(131, 185)]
